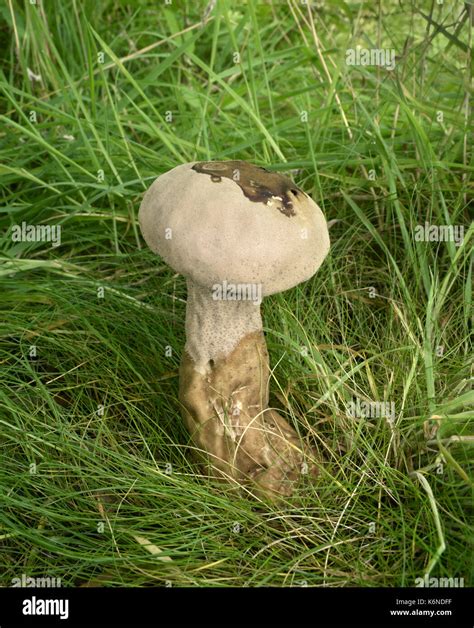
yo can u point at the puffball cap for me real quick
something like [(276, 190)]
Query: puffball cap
[(232, 221)]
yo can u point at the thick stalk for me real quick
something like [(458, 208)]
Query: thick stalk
[(224, 378)]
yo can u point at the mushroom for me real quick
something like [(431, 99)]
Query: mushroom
[(237, 232)]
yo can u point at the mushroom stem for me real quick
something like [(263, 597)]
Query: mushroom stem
[(214, 326), (224, 381)]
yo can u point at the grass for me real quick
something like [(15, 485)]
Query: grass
[(96, 482)]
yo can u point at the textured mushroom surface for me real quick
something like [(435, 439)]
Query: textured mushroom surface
[(258, 184), (233, 223), (226, 412)]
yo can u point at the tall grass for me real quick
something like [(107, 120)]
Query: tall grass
[(96, 482)]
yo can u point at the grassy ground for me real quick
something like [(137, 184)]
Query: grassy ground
[(97, 99)]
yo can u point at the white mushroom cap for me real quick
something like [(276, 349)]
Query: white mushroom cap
[(233, 221)]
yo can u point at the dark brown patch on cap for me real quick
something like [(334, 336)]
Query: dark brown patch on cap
[(257, 183)]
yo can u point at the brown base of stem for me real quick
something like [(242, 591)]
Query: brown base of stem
[(240, 438)]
